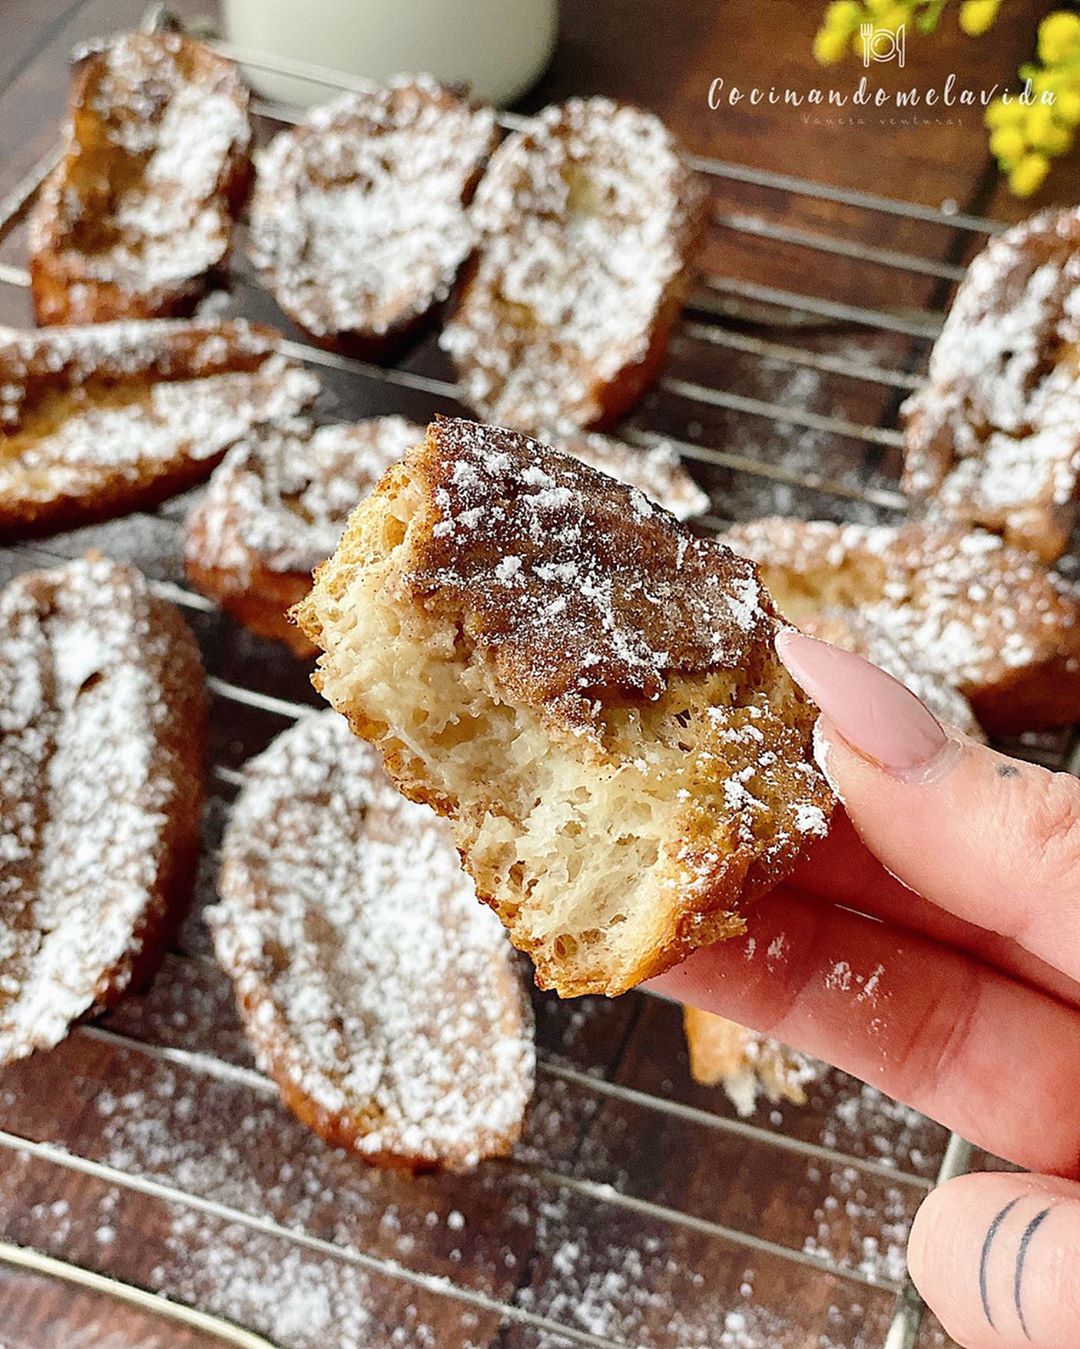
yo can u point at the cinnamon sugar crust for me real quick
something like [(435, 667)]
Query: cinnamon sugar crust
[(657, 470), (276, 507), (587, 222), (589, 692), (104, 419), (385, 1002), (278, 504), (994, 437), (139, 213), (102, 724), (358, 219), (986, 617)]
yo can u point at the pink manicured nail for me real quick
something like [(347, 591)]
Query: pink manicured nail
[(877, 716)]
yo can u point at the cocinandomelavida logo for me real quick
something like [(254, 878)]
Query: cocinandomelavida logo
[(883, 44), (917, 102)]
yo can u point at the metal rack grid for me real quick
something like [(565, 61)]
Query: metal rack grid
[(708, 321)]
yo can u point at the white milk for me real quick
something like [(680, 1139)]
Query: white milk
[(499, 47)]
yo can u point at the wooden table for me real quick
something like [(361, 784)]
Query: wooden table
[(639, 1209)]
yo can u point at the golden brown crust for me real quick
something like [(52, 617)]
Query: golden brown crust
[(358, 219), (276, 507), (983, 615), (588, 220), (100, 420), (139, 212), (745, 1062), (102, 729), (586, 669), (994, 437), (382, 999)]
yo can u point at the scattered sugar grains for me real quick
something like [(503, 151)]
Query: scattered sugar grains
[(626, 1285), (803, 452)]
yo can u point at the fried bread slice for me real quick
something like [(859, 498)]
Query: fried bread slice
[(744, 1062), (358, 219), (993, 439), (587, 219), (276, 507), (588, 691), (986, 617), (278, 504), (139, 213), (100, 420), (383, 1000), (102, 725)]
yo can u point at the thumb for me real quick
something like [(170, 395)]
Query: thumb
[(985, 837), (995, 1257)]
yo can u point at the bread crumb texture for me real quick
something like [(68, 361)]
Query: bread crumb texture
[(588, 691)]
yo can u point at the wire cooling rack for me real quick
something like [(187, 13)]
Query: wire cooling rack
[(606, 1260)]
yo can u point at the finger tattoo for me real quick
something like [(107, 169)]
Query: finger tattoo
[(1021, 1256), (984, 1258)]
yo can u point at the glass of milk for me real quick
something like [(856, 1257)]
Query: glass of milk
[(499, 47)]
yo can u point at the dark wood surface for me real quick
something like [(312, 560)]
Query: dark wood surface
[(688, 1246)]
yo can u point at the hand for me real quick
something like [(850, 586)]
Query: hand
[(931, 946)]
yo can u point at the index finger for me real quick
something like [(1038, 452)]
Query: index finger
[(993, 841), (840, 869), (932, 1026)]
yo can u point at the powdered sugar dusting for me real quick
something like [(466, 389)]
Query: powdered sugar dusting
[(358, 218), (143, 201), (94, 413), (994, 437), (373, 985), (585, 219), (969, 608), (281, 500), (657, 472), (91, 790)]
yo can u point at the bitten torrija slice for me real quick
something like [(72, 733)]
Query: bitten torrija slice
[(587, 690)]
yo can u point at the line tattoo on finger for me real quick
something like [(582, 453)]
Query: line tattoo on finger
[(984, 1258), (1021, 1258)]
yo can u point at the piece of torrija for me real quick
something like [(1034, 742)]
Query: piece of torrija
[(587, 690)]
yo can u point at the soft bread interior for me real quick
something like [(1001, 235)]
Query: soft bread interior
[(598, 851)]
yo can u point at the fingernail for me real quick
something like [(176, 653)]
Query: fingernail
[(872, 712)]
